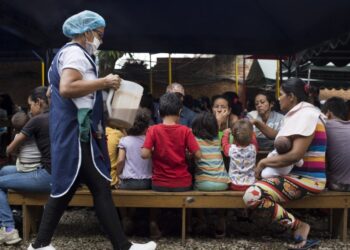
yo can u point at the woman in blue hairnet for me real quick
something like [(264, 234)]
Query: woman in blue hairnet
[(77, 132)]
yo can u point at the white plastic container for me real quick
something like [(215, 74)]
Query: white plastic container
[(122, 104)]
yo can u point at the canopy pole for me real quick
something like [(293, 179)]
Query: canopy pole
[(42, 67), (42, 73), (237, 72), (244, 92), (150, 74), (170, 77), (278, 79)]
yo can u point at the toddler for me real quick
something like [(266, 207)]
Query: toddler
[(242, 155), (283, 144)]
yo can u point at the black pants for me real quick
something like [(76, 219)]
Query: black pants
[(103, 202)]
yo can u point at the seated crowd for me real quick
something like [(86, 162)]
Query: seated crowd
[(213, 147)]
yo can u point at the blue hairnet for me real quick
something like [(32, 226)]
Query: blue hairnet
[(82, 22)]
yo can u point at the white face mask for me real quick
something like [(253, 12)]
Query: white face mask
[(92, 47)]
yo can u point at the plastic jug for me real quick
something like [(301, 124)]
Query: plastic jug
[(123, 103)]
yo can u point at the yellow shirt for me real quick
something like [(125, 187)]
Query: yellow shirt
[(113, 138)]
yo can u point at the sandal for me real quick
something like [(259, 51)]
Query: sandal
[(308, 243)]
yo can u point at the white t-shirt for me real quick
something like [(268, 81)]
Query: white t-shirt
[(74, 57)]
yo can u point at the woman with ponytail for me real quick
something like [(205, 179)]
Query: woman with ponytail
[(303, 123)]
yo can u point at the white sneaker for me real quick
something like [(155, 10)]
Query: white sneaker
[(147, 246), (49, 247), (9, 238)]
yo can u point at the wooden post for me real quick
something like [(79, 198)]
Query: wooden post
[(183, 226), (244, 90), (42, 73), (237, 72), (277, 94), (170, 70)]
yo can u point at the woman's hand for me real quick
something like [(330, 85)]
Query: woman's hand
[(252, 120), (221, 117), (112, 81)]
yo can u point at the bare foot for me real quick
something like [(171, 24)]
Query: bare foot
[(300, 235)]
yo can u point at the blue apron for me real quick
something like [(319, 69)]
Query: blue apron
[(66, 153)]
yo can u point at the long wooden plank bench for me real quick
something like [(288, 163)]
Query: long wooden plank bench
[(337, 201)]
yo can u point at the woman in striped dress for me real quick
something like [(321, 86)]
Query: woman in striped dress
[(303, 123)]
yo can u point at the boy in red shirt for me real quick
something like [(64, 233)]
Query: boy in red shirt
[(167, 143)]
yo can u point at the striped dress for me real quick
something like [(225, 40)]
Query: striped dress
[(315, 157), (211, 166), (312, 175)]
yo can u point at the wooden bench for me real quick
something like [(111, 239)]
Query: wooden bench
[(338, 202)]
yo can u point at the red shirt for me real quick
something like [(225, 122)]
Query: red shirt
[(169, 144)]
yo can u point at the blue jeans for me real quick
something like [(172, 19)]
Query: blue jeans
[(37, 181)]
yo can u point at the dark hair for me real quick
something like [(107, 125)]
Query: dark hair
[(337, 106), (147, 102), (188, 101), (283, 144), (169, 104), (204, 103), (7, 103), (19, 119), (216, 97), (141, 122), (242, 132), (297, 87), (269, 96), (235, 104), (314, 93), (205, 126), (39, 93)]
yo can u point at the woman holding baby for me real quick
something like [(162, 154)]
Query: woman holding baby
[(304, 127)]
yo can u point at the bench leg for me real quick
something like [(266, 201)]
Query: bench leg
[(31, 219), (183, 226), (26, 222), (340, 223)]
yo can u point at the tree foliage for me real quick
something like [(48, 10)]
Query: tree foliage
[(107, 59)]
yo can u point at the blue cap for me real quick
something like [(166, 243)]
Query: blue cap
[(82, 22)]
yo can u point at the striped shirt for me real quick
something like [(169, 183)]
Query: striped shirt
[(315, 157), (211, 166)]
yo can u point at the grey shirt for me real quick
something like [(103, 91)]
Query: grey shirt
[(275, 122), (337, 153)]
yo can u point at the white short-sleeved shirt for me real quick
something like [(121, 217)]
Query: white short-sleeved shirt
[(74, 57)]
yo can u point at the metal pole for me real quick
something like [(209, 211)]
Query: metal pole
[(278, 79), (170, 69), (237, 72), (42, 67), (244, 92), (150, 74)]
